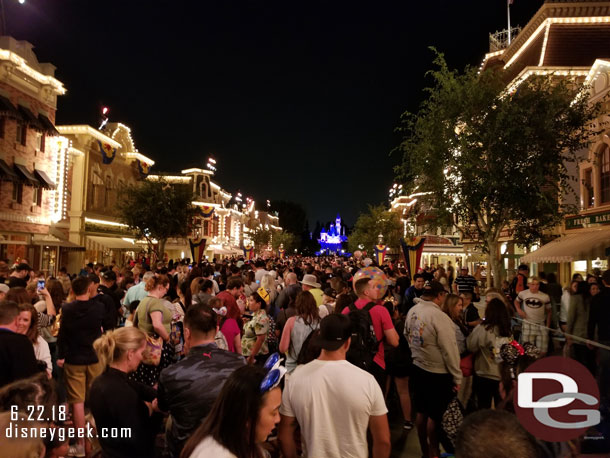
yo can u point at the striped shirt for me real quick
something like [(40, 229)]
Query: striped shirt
[(466, 283)]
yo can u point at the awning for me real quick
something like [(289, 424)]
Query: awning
[(47, 125), (7, 173), (30, 118), (51, 240), (572, 247), (8, 109), (26, 176), (113, 242), (42, 176)]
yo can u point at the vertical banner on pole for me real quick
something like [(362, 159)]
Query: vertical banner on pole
[(412, 248), (380, 251), (197, 249)]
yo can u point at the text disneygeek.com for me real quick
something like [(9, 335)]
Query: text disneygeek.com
[(62, 433)]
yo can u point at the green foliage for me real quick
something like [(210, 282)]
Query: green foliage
[(287, 239), (377, 220), (157, 210), (488, 158), (261, 238)]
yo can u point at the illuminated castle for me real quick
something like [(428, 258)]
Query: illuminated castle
[(330, 242)]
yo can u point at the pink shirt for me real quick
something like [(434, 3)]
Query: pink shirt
[(381, 322), (230, 329)]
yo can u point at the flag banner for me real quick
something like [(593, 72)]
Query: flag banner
[(143, 168), (108, 152), (197, 249), (207, 212), (380, 251), (282, 253), (412, 249), (248, 252)]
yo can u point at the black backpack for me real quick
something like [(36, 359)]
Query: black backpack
[(364, 344), (309, 350)]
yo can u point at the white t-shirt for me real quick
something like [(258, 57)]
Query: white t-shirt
[(42, 353), (208, 447), (332, 402), (534, 305)]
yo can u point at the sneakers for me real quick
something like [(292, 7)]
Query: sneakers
[(76, 450), (407, 426)]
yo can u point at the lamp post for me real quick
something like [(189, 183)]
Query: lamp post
[(3, 21)]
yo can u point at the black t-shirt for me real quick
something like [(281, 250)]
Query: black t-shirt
[(472, 314), (17, 358), (402, 283)]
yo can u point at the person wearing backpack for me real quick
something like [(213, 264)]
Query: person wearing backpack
[(436, 374), (298, 328), (371, 327)]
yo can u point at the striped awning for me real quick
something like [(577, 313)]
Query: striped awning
[(572, 247)]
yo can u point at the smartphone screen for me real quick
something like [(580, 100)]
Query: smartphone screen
[(40, 284)]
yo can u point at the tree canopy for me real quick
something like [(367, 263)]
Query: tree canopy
[(488, 158), (376, 220), (157, 210)]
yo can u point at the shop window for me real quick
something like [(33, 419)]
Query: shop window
[(588, 194), (108, 191), (17, 192), (21, 135)]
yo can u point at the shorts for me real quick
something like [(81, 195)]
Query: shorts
[(536, 334), (78, 379), (431, 392)]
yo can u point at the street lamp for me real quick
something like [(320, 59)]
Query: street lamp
[(3, 22)]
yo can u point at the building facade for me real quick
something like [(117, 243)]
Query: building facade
[(33, 159)]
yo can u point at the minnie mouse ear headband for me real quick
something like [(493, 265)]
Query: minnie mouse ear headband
[(513, 351), (222, 311)]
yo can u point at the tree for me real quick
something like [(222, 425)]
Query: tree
[(292, 215), (377, 220), (261, 238), (287, 239), (490, 159), (157, 210)]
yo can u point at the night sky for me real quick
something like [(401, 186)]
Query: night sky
[(296, 100)]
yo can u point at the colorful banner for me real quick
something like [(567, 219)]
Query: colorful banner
[(207, 212), (144, 168), (380, 251), (282, 253), (197, 249), (248, 252), (412, 249), (108, 152)]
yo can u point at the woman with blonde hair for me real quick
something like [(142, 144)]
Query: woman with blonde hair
[(119, 403), (154, 317)]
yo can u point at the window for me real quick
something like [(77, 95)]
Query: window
[(588, 197), (2, 124), (37, 196), (40, 142), (17, 192), (605, 174), (108, 191), (21, 133)]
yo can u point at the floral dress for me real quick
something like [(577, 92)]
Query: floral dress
[(257, 326)]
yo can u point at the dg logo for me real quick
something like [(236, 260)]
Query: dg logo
[(557, 399)]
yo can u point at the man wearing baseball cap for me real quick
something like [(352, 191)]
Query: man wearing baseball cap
[(333, 401), (436, 363)]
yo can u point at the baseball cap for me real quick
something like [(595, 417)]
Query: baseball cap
[(334, 332), (433, 288), (109, 275), (330, 293)]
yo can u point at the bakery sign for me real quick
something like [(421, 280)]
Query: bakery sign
[(597, 219)]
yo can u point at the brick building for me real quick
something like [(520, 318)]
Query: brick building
[(32, 158)]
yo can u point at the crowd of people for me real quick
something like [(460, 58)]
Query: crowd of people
[(283, 357)]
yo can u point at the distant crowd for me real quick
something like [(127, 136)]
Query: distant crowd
[(285, 357)]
